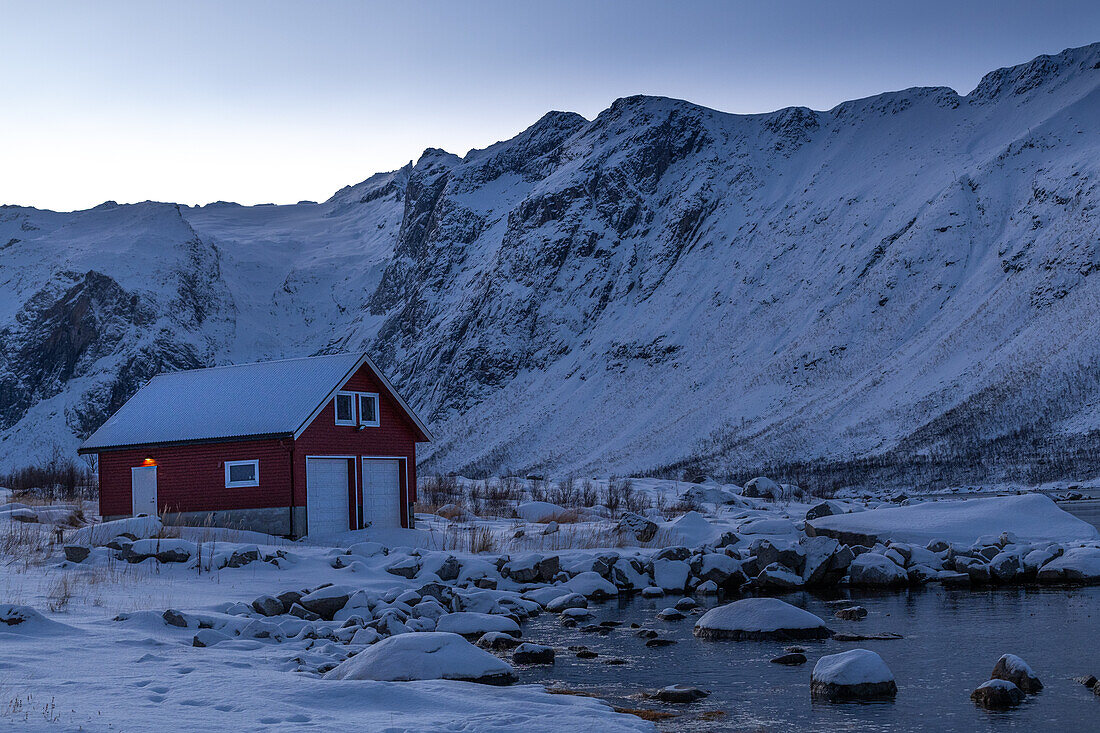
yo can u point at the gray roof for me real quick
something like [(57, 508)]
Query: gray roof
[(239, 401)]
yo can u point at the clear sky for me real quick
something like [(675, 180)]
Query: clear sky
[(276, 101)]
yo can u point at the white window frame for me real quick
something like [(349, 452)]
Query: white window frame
[(255, 463), (377, 410), (354, 408)]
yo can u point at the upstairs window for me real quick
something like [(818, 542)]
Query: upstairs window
[(240, 474), (345, 408), (368, 409)]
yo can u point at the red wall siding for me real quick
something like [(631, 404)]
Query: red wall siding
[(191, 478), (395, 437)]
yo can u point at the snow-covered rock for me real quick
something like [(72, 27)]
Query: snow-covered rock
[(101, 534), (876, 570), (427, 656), (1076, 565), (1032, 517), (468, 623), (25, 621), (1010, 667), (997, 695), (856, 674), (760, 618), (539, 511)]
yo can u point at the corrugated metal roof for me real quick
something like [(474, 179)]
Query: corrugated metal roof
[(268, 398)]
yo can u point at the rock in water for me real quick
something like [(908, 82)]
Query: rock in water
[(857, 674), (997, 695), (794, 658), (852, 613), (679, 694), (1015, 670), (430, 655), (760, 618), (533, 654)]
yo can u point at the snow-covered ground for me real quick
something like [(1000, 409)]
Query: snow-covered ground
[(221, 628)]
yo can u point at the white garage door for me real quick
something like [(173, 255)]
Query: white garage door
[(382, 492), (326, 496)]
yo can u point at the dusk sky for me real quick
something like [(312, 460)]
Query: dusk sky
[(276, 102)]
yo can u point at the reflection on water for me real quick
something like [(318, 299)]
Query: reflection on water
[(952, 640)]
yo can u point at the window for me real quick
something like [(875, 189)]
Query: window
[(345, 408), (368, 409), (239, 474)]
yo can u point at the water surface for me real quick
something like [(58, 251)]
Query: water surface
[(953, 637)]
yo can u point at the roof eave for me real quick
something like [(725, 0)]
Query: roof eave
[(86, 450)]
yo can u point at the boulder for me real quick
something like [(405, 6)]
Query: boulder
[(852, 613), (172, 617), (824, 509), (299, 611), (760, 618), (77, 553), (1015, 670), (870, 569), (497, 640), (671, 575), (449, 569), (406, 567), (670, 614), (208, 637), (325, 602), (522, 569), (997, 695), (1076, 565), (533, 654), (762, 487), (269, 606), (857, 674), (636, 526), (778, 576), (568, 600), (679, 694), (472, 624), (539, 511), (790, 659), (425, 656)]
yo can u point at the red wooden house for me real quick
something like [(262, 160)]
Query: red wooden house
[(314, 446)]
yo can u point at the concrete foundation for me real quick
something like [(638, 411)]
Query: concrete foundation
[(269, 520)]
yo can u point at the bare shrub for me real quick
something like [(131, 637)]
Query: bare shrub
[(440, 489), (475, 539), (589, 496), (539, 489), (59, 479), (565, 493)]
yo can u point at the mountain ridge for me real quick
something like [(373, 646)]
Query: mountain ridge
[(672, 287)]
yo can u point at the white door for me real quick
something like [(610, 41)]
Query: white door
[(382, 492), (143, 490), (326, 496)]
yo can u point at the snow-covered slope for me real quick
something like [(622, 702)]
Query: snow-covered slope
[(908, 277)]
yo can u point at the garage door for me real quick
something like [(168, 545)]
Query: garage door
[(327, 496), (382, 492)]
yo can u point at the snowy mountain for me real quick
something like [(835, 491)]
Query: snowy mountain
[(902, 288)]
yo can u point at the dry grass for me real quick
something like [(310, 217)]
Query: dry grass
[(452, 512)]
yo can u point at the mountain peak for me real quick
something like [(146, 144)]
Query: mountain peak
[(1040, 71)]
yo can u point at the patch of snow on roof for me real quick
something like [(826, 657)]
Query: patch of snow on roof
[(267, 398)]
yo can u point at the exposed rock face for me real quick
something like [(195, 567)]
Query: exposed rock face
[(618, 253)]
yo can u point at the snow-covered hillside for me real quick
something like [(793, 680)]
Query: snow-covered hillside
[(908, 277)]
